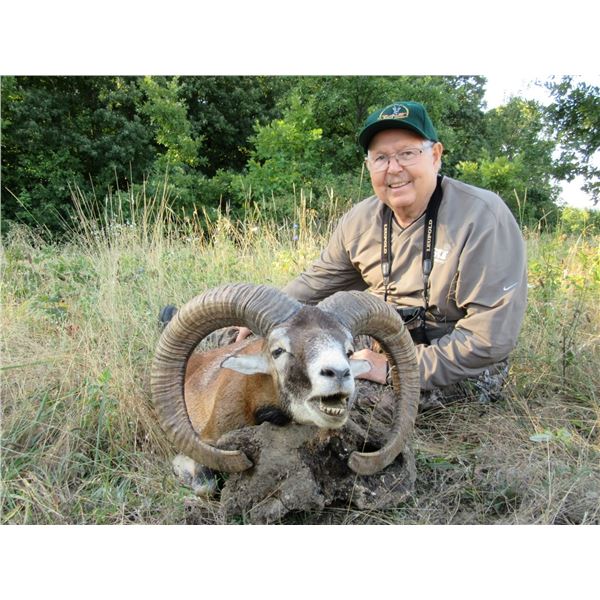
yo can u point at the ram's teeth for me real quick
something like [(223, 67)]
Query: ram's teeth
[(335, 412)]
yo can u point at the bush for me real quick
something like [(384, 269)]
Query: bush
[(579, 221)]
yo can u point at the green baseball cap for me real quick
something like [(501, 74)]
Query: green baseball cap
[(401, 115)]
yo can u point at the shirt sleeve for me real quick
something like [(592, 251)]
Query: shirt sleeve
[(491, 289), (332, 272)]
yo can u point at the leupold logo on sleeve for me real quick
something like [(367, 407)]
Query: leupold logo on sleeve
[(395, 111)]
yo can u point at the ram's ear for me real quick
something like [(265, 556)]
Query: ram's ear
[(358, 367), (248, 364)]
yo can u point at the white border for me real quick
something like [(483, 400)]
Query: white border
[(313, 37)]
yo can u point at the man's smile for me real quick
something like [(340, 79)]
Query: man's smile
[(397, 185)]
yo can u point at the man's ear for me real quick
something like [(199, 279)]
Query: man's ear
[(248, 364), (437, 151)]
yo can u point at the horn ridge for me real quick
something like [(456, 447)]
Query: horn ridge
[(258, 307)]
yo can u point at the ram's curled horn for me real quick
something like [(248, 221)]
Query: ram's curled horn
[(363, 313), (258, 307)]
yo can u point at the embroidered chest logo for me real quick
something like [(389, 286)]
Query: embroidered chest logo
[(440, 254)]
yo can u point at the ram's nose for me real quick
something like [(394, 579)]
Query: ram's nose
[(335, 373)]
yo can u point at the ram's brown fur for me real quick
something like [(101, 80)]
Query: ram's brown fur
[(219, 400)]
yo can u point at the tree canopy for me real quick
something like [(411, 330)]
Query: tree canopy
[(233, 140), (575, 118)]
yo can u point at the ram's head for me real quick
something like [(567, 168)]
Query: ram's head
[(309, 358)]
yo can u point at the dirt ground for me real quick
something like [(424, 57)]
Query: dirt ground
[(300, 469)]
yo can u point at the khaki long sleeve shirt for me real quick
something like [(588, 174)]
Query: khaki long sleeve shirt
[(478, 285)]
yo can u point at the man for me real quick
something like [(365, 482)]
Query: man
[(458, 277)]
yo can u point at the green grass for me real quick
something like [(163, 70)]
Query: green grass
[(80, 443)]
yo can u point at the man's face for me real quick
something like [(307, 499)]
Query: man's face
[(406, 190)]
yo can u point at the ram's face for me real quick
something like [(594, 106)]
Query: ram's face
[(309, 357), (315, 371)]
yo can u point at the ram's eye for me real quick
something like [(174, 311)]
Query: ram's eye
[(349, 353), (277, 352)]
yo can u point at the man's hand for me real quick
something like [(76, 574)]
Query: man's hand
[(243, 333), (378, 362)]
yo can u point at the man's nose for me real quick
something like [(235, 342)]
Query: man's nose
[(394, 166)]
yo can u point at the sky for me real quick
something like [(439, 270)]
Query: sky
[(500, 88)]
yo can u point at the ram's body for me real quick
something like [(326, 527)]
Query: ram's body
[(218, 399)]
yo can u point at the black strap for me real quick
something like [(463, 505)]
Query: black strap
[(386, 247), (428, 241)]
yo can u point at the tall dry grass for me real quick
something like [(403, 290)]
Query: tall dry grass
[(79, 440)]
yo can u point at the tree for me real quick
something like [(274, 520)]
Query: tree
[(575, 118), (168, 115), (516, 159), (224, 111), (288, 153), (340, 105), (99, 133), (218, 137), (64, 131)]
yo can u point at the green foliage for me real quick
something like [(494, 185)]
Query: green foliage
[(224, 111), (507, 178), (515, 161), (288, 154), (172, 128), (500, 175), (340, 105), (224, 143), (315, 144), (455, 107), (517, 132), (179, 149), (577, 221), (63, 131), (575, 118)]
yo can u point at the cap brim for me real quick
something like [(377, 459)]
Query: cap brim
[(365, 137)]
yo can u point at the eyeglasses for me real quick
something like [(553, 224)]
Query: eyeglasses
[(409, 156)]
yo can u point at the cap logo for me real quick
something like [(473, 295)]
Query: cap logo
[(395, 111)]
